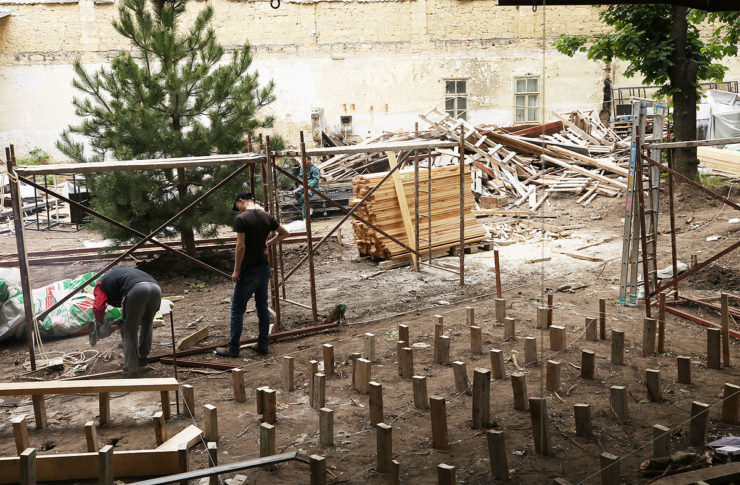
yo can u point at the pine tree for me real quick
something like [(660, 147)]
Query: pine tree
[(175, 94)]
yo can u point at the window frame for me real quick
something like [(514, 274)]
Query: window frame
[(528, 96), (456, 112)]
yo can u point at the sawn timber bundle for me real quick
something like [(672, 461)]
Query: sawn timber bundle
[(382, 209)]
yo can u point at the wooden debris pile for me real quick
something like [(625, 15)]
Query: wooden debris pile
[(383, 208)]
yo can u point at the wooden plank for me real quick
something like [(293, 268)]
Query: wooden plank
[(588, 173), (721, 473), (87, 387), (584, 257), (403, 204), (193, 338), (609, 167), (190, 436), (693, 143)]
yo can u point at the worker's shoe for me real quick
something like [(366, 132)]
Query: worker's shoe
[(226, 352), (92, 334), (258, 349)]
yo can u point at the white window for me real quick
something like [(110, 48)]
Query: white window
[(456, 98), (526, 96)]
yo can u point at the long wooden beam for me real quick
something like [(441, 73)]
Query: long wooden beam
[(89, 387), (396, 146), (693, 143)]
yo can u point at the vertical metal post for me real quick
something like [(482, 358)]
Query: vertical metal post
[(273, 208), (498, 273), (643, 236), (309, 234), (251, 167), (174, 358), (17, 203), (35, 199), (462, 205), (416, 208), (674, 251), (279, 250)]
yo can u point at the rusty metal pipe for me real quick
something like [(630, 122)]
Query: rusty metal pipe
[(309, 243)]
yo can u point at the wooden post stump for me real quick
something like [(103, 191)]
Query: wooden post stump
[(652, 382), (166, 408), (553, 376), (610, 472), (317, 466), (582, 413), (39, 410), (421, 401), (319, 390), (713, 348), (725, 328), (500, 310), (313, 368), (617, 347), (212, 449), (363, 375), (588, 364), (549, 310), (407, 361), (446, 474), (105, 465), (403, 334), (188, 398), (648, 336), (591, 330), (497, 454), (369, 347), (269, 412), (267, 439), (259, 398), (28, 467), (210, 423), (557, 338), (602, 318), (328, 359), (530, 350), (91, 437), (460, 372), (699, 423), (400, 345), (661, 441), (497, 363), (375, 402), (470, 315), (444, 350), (384, 441), (509, 328), (438, 410), (326, 427), (731, 404), (395, 474), (618, 401), (476, 340), (542, 317), (519, 387), (684, 369), (288, 373), (438, 332), (354, 357), (481, 398), (20, 433), (160, 429), (540, 425), (237, 383)]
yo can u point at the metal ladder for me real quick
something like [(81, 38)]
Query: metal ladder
[(631, 244)]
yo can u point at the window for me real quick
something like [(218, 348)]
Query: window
[(526, 94), (456, 98)]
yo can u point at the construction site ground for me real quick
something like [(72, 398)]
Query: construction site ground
[(378, 304)]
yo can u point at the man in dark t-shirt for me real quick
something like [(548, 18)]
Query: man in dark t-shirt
[(253, 227)]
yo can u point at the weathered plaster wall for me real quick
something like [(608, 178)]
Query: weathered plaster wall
[(381, 62)]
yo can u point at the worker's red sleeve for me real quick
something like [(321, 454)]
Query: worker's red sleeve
[(99, 305)]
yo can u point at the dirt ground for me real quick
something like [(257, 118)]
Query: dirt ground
[(401, 296)]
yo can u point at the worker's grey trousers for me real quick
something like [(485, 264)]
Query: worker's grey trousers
[(139, 307)]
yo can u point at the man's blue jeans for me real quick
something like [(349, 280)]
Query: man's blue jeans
[(252, 281)]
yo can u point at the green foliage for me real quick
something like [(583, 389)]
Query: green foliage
[(176, 93), (710, 181), (642, 36), (36, 156)]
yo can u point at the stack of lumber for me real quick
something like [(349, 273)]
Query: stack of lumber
[(382, 209), (720, 160)]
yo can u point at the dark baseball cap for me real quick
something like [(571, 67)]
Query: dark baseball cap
[(244, 196)]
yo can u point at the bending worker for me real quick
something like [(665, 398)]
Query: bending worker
[(314, 176), (139, 297), (253, 227)]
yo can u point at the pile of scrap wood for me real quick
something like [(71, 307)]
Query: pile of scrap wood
[(393, 211)]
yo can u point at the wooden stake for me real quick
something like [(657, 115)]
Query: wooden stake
[(166, 408), (509, 328), (237, 382), (497, 363), (369, 346), (542, 316), (267, 439), (328, 359), (313, 368), (375, 399), (403, 334), (407, 361), (540, 425), (20, 432), (661, 441), (91, 437), (497, 454), (713, 346), (725, 314), (470, 315), (210, 423), (438, 332), (591, 330), (160, 429), (460, 372), (353, 357), (317, 465), (609, 469), (588, 363), (39, 411), (288, 373), (602, 318), (326, 427), (731, 404), (549, 310), (319, 390), (28, 466), (481, 398), (652, 382), (618, 401), (553, 376), (582, 413), (395, 473), (400, 345), (269, 412), (212, 449), (661, 323), (446, 474), (363, 375), (182, 461), (500, 309), (648, 336), (384, 448), (617, 347), (421, 401), (444, 350), (519, 387), (438, 410), (530, 350), (684, 369), (476, 340), (105, 465), (557, 338), (259, 399), (188, 398)]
